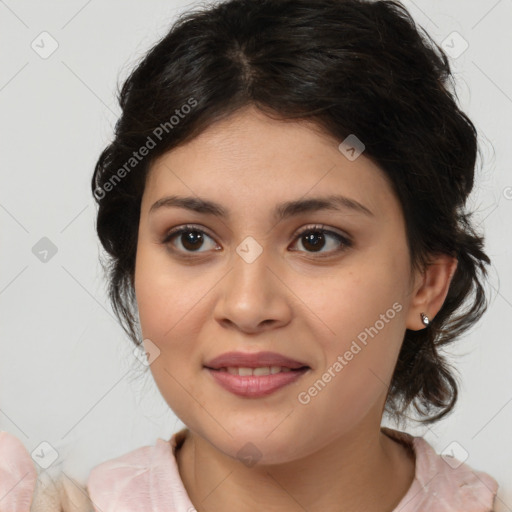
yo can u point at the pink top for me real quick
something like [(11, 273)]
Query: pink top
[(18, 475), (147, 479)]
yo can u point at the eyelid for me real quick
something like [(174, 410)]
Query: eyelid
[(326, 229), (183, 228)]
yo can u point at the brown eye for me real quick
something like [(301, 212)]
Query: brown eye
[(316, 238), (190, 238)]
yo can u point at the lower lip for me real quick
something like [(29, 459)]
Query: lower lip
[(255, 386)]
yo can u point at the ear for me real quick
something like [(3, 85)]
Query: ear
[(430, 290)]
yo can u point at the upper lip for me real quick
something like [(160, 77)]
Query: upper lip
[(252, 360)]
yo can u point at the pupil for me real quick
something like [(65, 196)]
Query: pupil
[(193, 240), (310, 240)]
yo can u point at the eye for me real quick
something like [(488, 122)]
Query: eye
[(190, 237), (315, 238)]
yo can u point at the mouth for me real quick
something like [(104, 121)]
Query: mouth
[(254, 375), (257, 361), (245, 382), (258, 371)]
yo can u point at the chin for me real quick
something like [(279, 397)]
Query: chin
[(255, 445)]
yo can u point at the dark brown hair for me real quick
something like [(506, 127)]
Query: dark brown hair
[(350, 66)]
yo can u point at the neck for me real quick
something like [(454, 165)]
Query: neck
[(359, 471)]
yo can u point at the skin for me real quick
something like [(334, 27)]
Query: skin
[(330, 453)]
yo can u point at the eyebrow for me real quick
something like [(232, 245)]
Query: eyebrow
[(281, 211)]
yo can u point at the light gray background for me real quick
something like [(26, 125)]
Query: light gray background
[(67, 373)]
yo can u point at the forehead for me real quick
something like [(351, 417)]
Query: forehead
[(251, 159)]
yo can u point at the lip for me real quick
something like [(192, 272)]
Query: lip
[(255, 386), (253, 360)]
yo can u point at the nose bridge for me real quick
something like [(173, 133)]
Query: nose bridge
[(251, 274), (252, 294)]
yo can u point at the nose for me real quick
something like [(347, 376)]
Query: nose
[(253, 296)]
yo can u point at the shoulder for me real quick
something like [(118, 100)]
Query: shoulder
[(443, 483), (146, 478), (18, 474), (23, 489)]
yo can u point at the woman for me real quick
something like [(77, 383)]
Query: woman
[(283, 209)]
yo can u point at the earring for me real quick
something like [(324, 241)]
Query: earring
[(424, 319)]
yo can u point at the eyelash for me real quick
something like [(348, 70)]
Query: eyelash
[(346, 242)]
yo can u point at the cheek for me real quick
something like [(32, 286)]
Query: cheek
[(166, 310), (357, 372), (353, 299), (173, 307), (362, 328), (167, 296)]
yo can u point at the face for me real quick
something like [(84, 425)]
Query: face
[(328, 288)]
